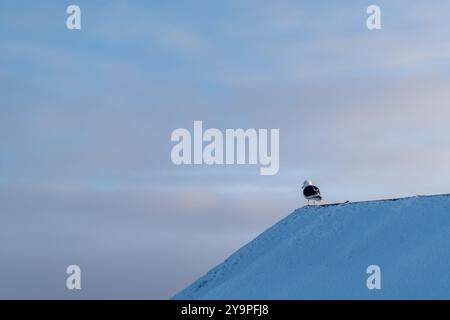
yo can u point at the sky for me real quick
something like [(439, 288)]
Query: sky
[(86, 118)]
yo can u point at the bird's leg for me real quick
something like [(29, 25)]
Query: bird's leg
[(307, 201)]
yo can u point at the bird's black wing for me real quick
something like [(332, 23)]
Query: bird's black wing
[(316, 190), (310, 191)]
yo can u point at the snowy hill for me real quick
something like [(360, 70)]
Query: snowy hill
[(323, 253)]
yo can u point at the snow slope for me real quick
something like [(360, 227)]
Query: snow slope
[(323, 253)]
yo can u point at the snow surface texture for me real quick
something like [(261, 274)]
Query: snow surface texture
[(323, 253)]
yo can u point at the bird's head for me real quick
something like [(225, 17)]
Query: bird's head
[(306, 183)]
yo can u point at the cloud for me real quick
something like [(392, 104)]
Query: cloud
[(150, 30)]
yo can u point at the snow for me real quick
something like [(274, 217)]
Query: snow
[(323, 253)]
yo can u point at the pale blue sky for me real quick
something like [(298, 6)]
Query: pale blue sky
[(86, 118)]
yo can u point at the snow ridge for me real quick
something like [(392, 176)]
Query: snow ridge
[(323, 252)]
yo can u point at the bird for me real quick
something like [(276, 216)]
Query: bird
[(311, 192)]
